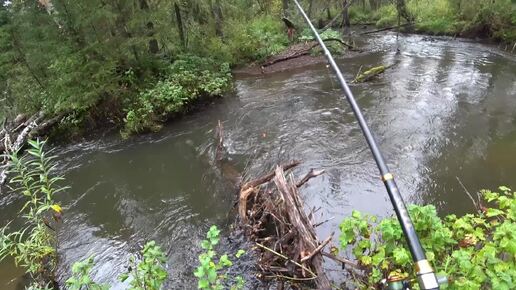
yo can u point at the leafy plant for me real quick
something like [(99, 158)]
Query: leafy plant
[(476, 251), (33, 246), (188, 79), (81, 277), (149, 273), (211, 272)]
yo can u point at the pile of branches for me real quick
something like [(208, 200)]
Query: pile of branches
[(15, 134), (272, 214)]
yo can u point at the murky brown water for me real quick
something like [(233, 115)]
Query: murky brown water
[(447, 109)]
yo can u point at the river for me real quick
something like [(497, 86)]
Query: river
[(445, 110)]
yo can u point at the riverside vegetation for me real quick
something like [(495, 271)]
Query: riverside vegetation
[(31, 239), (135, 64)]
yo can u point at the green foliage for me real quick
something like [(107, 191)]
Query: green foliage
[(33, 246), (387, 15), (476, 251), (187, 79), (211, 272), (149, 273), (81, 277), (244, 41)]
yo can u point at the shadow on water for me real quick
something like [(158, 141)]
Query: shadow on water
[(447, 109)]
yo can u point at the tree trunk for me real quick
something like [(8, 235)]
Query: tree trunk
[(180, 27), (285, 8), (153, 42), (216, 11), (345, 14), (403, 11)]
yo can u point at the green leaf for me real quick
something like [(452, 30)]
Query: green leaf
[(239, 253), (401, 256), (492, 212)]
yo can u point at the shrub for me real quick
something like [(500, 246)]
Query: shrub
[(188, 79), (33, 246), (211, 272), (476, 251)]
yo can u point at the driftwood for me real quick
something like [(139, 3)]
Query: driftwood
[(272, 215), (15, 134), (271, 211), (369, 74)]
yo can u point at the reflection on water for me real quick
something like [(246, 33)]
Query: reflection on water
[(446, 109)]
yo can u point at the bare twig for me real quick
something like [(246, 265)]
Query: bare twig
[(341, 260), (311, 174), (318, 249), (287, 258), (468, 194)]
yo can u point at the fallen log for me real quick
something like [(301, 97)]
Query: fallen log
[(14, 136), (386, 28), (301, 49), (370, 73)]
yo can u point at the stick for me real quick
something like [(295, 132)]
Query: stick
[(268, 177), (469, 194), (311, 174), (288, 259), (341, 260), (318, 249)]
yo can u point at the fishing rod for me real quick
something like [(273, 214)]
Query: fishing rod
[(424, 271)]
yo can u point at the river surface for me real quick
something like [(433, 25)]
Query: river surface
[(445, 110)]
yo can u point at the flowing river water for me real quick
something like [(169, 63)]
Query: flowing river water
[(446, 109)]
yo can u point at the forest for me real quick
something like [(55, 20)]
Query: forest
[(133, 64), (160, 78)]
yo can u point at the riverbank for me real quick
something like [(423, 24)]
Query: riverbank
[(495, 21)]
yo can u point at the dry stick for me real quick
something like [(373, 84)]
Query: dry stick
[(291, 278), (269, 176), (323, 222), (341, 260), (288, 259), (318, 249), (311, 174), (468, 193)]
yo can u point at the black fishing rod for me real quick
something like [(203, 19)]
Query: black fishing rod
[(424, 271)]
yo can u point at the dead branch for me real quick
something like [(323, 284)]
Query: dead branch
[(14, 135), (311, 174), (341, 260), (318, 249)]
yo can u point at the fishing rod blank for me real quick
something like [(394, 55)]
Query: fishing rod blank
[(424, 271)]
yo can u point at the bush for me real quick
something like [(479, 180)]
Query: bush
[(211, 272), (148, 274), (33, 246), (476, 251), (387, 15), (188, 79)]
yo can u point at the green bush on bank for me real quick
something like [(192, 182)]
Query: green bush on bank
[(483, 18), (475, 251), (33, 246), (187, 79)]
